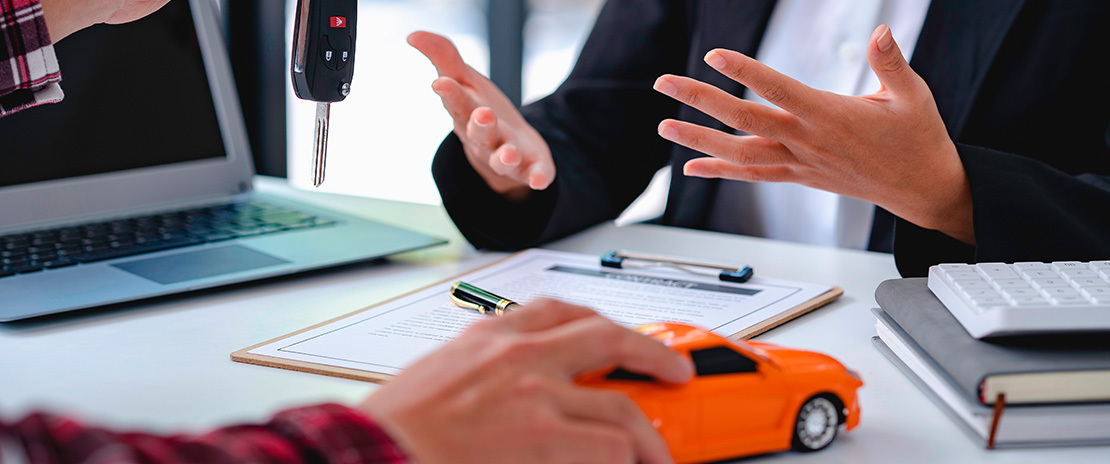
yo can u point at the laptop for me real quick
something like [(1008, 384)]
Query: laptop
[(138, 184)]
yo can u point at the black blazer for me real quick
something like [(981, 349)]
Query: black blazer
[(1015, 81)]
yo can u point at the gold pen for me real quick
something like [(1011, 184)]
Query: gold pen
[(471, 297)]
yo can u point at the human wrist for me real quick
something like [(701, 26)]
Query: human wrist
[(394, 420), (957, 219), (335, 432), (947, 205)]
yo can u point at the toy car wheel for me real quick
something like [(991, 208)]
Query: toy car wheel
[(817, 424)]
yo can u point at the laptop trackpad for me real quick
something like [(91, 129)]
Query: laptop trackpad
[(199, 264)]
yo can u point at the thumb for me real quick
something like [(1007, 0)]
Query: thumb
[(441, 52), (888, 63)]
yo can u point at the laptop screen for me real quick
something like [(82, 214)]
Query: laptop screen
[(136, 96)]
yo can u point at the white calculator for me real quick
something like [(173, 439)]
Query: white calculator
[(993, 299)]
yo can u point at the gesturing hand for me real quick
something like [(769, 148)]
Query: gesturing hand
[(890, 148), (64, 17), (504, 392), (505, 150)]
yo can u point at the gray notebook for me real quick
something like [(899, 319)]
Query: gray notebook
[(1061, 369)]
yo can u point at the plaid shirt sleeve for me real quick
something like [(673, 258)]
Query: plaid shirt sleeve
[(29, 73), (327, 433)]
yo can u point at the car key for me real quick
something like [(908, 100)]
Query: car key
[(323, 64)]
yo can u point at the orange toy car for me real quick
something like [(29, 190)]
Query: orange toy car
[(746, 398)]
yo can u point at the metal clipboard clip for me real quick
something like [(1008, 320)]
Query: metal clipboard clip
[(623, 259)]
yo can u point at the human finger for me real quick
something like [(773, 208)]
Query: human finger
[(541, 174), (743, 150), (890, 66), (542, 314), (613, 408), (509, 155), (592, 343), (719, 169), (497, 162), (748, 116), (442, 53), (777, 88), (482, 129), (455, 100), (501, 168)]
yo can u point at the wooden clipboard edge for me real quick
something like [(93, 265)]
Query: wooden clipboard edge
[(245, 356), (789, 315)]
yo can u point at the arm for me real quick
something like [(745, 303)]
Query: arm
[(1025, 210), (64, 17), (599, 129), (28, 28), (955, 202), (508, 379), (327, 433)]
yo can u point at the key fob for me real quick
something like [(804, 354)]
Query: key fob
[(324, 49)]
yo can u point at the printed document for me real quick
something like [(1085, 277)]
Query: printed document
[(391, 336)]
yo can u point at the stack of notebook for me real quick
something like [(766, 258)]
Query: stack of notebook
[(1032, 391)]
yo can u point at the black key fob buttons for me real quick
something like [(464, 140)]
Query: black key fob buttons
[(324, 49)]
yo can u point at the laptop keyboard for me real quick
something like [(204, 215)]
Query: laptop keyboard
[(86, 243)]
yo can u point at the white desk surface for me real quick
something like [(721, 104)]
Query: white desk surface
[(164, 364)]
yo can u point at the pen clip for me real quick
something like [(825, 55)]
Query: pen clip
[(465, 303), (726, 272)]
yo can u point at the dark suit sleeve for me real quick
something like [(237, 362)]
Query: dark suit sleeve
[(1024, 210), (1034, 137), (601, 127)]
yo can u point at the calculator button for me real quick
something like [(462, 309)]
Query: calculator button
[(1034, 300), (971, 284), (996, 271), (963, 275), (1069, 300), (1046, 283), (1100, 265), (1031, 266), (1010, 283), (983, 292), (1056, 292), (990, 302), (1019, 292), (1089, 282), (1045, 273), (1062, 265), (1077, 273), (1096, 293), (956, 267)]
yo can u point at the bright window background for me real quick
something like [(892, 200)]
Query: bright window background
[(384, 135)]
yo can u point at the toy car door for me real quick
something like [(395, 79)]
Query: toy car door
[(741, 406)]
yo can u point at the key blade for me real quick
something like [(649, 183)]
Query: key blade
[(320, 143)]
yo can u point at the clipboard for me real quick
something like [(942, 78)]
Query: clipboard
[(246, 356)]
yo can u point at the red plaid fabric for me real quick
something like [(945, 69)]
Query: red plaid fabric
[(327, 433), (28, 68)]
